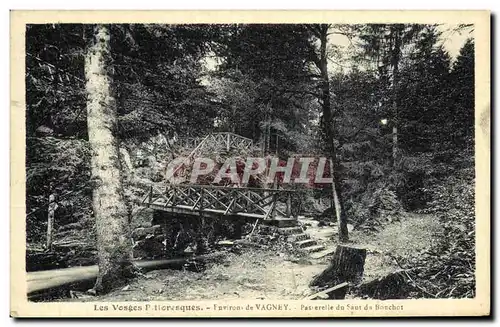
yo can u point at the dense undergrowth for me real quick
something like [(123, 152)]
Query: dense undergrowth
[(448, 268)]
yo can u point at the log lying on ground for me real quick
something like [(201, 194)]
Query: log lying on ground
[(347, 265), (248, 243), (339, 289), (48, 279)]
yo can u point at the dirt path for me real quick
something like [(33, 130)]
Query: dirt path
[(263, 274), (414, 233), (251, 275)]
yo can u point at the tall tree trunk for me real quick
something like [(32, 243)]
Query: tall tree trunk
[(277, 143), (264, 136), (338, 203), (328, 131), (110, 210), (396, 54), (268, 137)]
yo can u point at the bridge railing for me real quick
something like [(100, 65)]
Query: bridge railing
[(217, 141), (190, 142), (266, 204)]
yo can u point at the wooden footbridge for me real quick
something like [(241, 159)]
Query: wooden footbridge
[(216, 201), (204, 201)]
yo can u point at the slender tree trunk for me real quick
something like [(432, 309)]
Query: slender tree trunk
[(268, 137), (395, 148), (50, 220), (396, 54), (339, 204), (110, 210), (264, 136), (328, 131), (277, 142), (233, 128)]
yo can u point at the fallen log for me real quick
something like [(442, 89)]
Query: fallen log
[(331, 293), (347, 265), (248, 243), (48, 279)]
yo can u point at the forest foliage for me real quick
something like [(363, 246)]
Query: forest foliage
[(263, 82)]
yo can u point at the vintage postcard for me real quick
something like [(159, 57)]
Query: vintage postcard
[(250, 163)]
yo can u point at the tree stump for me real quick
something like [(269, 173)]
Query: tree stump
[(347, 265)]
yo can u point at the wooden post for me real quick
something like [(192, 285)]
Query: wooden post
[(201, 199), (200, 241), (275, 198), (288, 205), (247, 197), (229, 207), (165, 238), (50, 220), (254, 225), (173, 197)]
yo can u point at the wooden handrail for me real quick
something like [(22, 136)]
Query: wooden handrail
[(200, 140), (256, 189)]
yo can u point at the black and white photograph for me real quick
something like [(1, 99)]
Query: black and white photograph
[(241, 163)]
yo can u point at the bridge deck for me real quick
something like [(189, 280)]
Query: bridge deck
[(215, 201)]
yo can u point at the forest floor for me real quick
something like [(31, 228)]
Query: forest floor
[(267, 274)]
